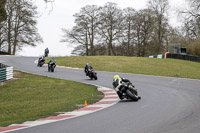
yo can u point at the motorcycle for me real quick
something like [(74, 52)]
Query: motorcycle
[(129, 92), (41, 62), (51, 67), (92, 74)]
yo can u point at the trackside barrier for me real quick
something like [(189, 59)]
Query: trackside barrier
[(4, 53), (6, 72), (160, 56), (184, 57), (177, 56)]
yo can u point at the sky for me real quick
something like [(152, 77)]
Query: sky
[(52, 18)]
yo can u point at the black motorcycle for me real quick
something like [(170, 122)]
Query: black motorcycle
[(51, 67), (41, 62), (92, 74), (129, 92)]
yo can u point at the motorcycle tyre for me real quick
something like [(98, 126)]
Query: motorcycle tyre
[(95, 77), (52, 69), (131, 95)]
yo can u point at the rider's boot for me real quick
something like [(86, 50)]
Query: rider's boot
[(120, 95)]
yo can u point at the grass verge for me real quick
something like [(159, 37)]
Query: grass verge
[(30, 97), (137, 65)]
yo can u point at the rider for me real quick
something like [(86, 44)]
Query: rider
[(52, 61), (87, 69), (46, 51), (118, 86), (42, 58)]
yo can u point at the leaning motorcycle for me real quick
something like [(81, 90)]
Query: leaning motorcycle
[(92, 74), (41, 62), (51, 67), (129, 92)]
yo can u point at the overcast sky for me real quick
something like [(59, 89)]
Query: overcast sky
[(50, 24)]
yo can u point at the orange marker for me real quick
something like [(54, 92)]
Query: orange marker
[(85, 103)]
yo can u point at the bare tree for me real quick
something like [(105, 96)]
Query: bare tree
[(128, 31), (191, 17), (78, 36), (3, 14), (20, 26), (85, 30), (192, 29), (112, 31), (2, 36), (160, 7), (111, 25), (144, 26), (194, 10), (91, 14)]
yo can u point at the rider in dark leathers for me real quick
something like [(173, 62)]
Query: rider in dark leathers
[(42, 58), (51, 62), (87, 69), (46, 52)]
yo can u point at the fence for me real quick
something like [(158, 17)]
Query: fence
[(6, 72), (177, 56), (4, 53), (184, 57)]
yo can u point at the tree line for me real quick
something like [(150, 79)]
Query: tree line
[(110, 30), (18, 21), (105, 30), (190, 33)]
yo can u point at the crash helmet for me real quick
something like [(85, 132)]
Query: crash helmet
[(116, 77)]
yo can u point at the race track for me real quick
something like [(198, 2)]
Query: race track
[(168, 105)]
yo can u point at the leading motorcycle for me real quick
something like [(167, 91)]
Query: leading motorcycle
[(51, 66), (129, 91)]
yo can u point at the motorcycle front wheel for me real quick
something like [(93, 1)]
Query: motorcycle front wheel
[(95, 76), (131, 95)]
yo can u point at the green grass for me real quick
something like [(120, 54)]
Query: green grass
[(137, 65), (31, 97)]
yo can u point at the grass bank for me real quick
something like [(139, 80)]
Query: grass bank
[(30, 97), (137, 65)]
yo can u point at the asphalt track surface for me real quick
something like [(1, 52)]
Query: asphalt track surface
[(168, 105)]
